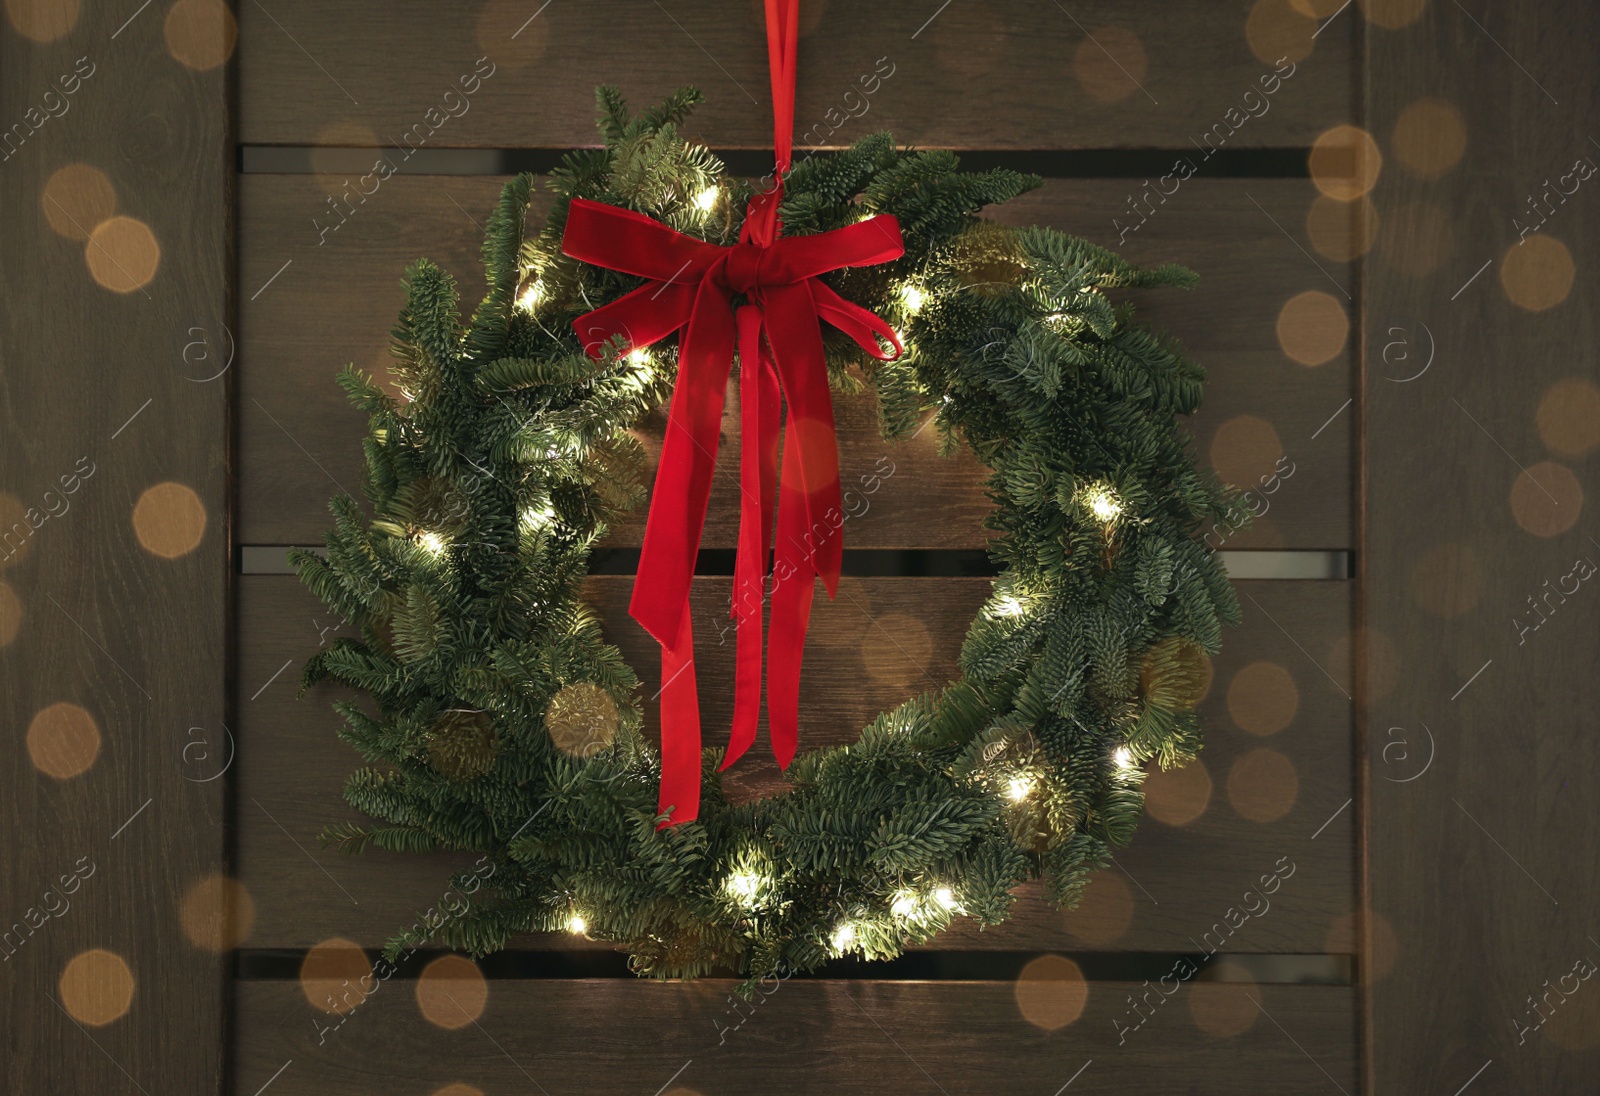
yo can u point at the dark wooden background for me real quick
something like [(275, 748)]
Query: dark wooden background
[(1424, 772)]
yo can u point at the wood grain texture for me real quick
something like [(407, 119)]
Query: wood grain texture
[(1092, 74), (98, 404), (300, 440), (1483, 879), (883, 640), (808, 1036)]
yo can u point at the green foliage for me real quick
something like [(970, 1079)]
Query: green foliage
[(492, 480)]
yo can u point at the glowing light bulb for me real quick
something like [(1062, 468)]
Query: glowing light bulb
[(1019, 788), (532, 295), (744, 885), (1123, 757), (706, 199), (904, 905), (1010, 606), (1103, 504), (432, 543), (576, 924), (913, 299), (639, 357), (844, 936), (538, 517), (946, 898)]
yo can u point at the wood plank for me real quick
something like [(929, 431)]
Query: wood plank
[(1147, 78), (1486, 852), (300, 441), (835, 1037), (883, 640), (114, 642)]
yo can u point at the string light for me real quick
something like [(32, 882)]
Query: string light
[(538, 518), (432, 543), (1102, 503), (844, 936), (706, 199), (744, 886), (532, 295), (639, 357), (946, 898), (1019, 788), (1010, 606), (576, 924), (912, 298), (904, 904), (1123, 757)]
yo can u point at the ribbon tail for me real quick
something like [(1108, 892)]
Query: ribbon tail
[(680, 729), (809, 438), (857, 322), (683, 478), (662, 586), (793, 585), (758, 398)]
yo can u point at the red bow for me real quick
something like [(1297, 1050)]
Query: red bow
[(694, 283)]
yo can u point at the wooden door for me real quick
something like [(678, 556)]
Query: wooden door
[(152, 636)]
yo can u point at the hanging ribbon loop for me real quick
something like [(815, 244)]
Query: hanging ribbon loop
[(690, 287)]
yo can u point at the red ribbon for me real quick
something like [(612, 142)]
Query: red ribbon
[(777, 331)]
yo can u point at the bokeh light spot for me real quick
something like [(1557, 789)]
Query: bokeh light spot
[(1263, 786), (452, 992), (1546, 499), (1345, 162), (63, 740), (896, 649), (1312, 327), (1262, 698), (42, 20), (1176, 797), (1244, 449), (1279, 29), (217, 913), (1110, 64), (341, 173), (76, 198), (1393, 14), (335, 976), (170, 520), (1226, 1005), (16, 531), (10, 614), (1429, 137), (1537, 273), (1378, 959), (122, 254), (1342, 230), (1051, 992), (508, 34), (96, 987), (1569, 416), (200, 33), (1103, 916)]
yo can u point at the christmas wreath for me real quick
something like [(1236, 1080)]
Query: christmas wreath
[(501, 721)]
